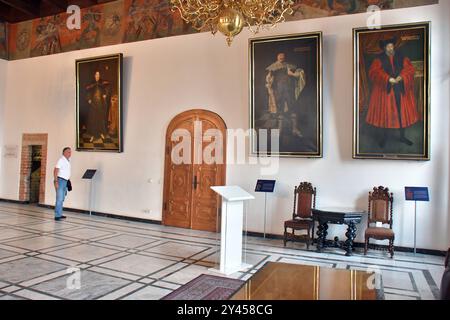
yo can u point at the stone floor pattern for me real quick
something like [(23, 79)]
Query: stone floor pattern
[(120, 259)]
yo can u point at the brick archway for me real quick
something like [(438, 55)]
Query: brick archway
[(29, 140)]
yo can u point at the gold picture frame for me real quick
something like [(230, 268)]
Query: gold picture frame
[(99, 104), (391, 117), (286, 95)]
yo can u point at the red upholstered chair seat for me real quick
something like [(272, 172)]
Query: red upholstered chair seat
[(298, 223), (380, 233)]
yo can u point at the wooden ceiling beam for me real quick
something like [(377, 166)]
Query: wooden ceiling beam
[(31, 8), (61, 4)]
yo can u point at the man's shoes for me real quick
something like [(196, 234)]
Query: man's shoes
[(63, 217), (57, 218), (406, 141)]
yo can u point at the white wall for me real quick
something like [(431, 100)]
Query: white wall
[(3, 66), (164, 77)]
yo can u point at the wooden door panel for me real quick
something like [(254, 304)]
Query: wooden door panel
[(204, 205), (178, 181), (179, 200), (187, 205)]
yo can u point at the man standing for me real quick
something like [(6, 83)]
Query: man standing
[(284, 83), (392, 101), (62, 176)]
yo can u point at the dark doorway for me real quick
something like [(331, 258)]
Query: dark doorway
[(35, 175)]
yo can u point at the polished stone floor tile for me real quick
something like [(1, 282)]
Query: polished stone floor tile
[(38, 243), (138, 264), (306, 262), (148, 293), (172, 269), (92, 286), (397, 279), (189, 273), (122, 291), (52, 226), (177, 249), (115, 273), (127, 241), (12, 233), (20, 220), (10, 297), (132, 260), (25, 269), (33, 295), (85, 234), (82, 253), (167, 285), (389, 296), (6, 253)]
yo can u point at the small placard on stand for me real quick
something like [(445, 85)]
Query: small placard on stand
[(266, 186), (89, 175), (416, 194)]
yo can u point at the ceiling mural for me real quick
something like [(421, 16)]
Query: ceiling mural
[(125, 21)]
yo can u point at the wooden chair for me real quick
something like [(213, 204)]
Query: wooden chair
[(380, 210), (445, 283), (304, 200)]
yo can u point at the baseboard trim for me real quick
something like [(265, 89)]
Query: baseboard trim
[(14, 201), (103, 214), (431, 252)]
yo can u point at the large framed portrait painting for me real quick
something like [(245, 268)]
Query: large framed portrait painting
[(99, 103), (392, 92), (286, 95)]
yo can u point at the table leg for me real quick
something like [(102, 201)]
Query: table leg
[(321, 235), (351, 235)]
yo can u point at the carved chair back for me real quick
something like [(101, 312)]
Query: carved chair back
[(304, 200), (380, 206)]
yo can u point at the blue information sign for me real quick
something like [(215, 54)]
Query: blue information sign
[(265, 186), (417, 194)]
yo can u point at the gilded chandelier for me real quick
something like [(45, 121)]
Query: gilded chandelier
[(230, 16)]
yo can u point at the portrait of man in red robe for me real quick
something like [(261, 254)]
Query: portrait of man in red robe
[(392, 105)]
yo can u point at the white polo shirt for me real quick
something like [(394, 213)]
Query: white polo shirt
[(64, 168)]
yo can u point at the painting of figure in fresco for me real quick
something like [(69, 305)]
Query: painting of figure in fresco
[(90, 35), (391, 104), (47, 40), (148, 19), (124, 21), (3, 48), (317, 8), (99, 109)]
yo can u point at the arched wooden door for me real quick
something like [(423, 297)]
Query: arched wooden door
[(188, 199)]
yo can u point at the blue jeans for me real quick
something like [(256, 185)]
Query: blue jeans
[(60, 195)]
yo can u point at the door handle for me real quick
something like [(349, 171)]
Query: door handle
[(195, 182)]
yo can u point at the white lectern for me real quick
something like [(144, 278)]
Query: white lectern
[(233, 198)]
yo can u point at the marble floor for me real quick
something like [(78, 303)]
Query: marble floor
[(87, 257)]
